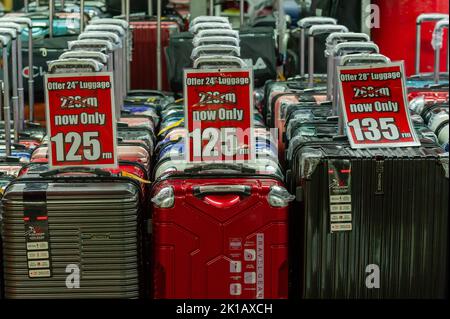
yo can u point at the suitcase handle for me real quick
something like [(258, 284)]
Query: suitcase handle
[(145, 93), (310, 21), (437, 46), (234, 167), (303, 24), (200, 191), (94, 171), (422, 18), (9, 159), (313, 31)]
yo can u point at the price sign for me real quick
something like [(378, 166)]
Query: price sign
[(373, 98), (219, 117), (81, 120)]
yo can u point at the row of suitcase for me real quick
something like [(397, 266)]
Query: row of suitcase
[(358, 212)]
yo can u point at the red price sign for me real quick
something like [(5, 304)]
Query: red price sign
[(81, 120), (375, 107), (219, 117)]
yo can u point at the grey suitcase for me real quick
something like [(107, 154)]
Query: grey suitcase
[(56, 221)]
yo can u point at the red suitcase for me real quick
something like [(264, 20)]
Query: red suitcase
[(143, 67), (217, 236)]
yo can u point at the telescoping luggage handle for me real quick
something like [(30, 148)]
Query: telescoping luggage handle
[(98, 56), (215, 40), (332, 40), (304, 24), (13, 36), (437, 45), (342, 49), (356, 59), (218, 32), (215, 50), (94, 45), (69, 64), (420, 19), (26, 23), (20, 93), (313, 31), (217, 60), (4, 41)]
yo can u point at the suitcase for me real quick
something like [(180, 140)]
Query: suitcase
[(143, 75), (404, 238), (217, 236), (257, 49), (63, 214)]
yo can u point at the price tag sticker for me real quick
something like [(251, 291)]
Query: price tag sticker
[(373, 99), (219, 109), (81, 120)]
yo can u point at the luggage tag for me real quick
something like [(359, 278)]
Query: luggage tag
[(170, 127), (132, 176), (37, 236), (340, 190)]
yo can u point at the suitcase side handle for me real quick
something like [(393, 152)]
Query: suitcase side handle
[(94, 171), (234, 167), (200, 191)]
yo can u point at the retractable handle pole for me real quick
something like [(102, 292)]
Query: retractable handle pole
[(4, 40), (27, 23), (51, 12), (211, 7), (241, 12), (437, 45), (18, 27), (82, 21), (26, 6), (346, 49), (12, 34), (150, 8), (304, 24), (313, 31), (158, 47), (7, 127), (332, 40), (127, 52), (420, 19)]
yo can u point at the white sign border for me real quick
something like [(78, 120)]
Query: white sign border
[(416, 140), (115, 165), (252, 141)]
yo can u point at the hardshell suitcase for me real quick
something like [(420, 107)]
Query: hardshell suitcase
[(143, 75), (220, 235), (367, 219), (54, 225)]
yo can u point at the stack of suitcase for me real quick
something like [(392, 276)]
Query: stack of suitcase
[(219, 230), (331, 257), (64, 210)]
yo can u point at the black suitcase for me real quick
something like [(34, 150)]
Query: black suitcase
[(257, 45), (397, 201)]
